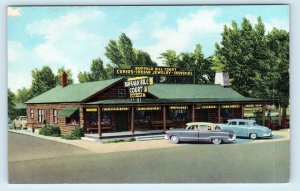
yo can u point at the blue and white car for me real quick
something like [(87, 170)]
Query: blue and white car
[(246, 128)]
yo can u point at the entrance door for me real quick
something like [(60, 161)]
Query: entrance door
[(121, 121), (203, 115)]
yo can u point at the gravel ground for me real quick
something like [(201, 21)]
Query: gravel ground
[(99, 147)]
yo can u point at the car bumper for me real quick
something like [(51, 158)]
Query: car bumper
[(232, 139), (166, 137), (267, 135)]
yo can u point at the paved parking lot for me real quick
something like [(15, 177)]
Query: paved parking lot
[(35, 160)]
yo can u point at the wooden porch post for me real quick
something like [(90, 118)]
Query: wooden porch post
[(164, 118), (99, 122), (219, 113), (132, 120), (263, 113), (193, 113), (242, 106)]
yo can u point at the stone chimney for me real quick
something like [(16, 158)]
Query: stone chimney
[(64, 79), (222, 78)]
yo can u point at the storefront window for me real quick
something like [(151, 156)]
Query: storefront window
[(226, 114), (142, 116), (179, 115), (73, 119), (105, 118)]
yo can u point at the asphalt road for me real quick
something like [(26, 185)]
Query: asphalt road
[(190, 163)]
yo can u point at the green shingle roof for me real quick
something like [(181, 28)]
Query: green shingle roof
[(180, 91), (72, 93)]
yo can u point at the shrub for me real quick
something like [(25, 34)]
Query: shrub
[(76, 133), (50, 130)]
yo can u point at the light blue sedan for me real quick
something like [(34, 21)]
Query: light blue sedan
[(246, 128)]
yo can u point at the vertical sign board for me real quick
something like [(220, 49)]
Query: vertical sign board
[(138, 87)]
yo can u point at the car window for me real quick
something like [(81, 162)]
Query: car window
[(232, 123), (192, 127), (203, 127), (24, 118), (242, 123)]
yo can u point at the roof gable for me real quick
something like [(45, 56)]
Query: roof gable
[(73, 92), (181, 91)]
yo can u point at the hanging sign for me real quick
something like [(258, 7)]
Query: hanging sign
[(91, 109), (153, 71), (253, 105), (138, 89), (230, 106), (138, 81), (115, 108), (207, 107), (135, 95), (178, 107), (148, 108)]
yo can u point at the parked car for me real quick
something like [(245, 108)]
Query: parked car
[(20, 122), (246, 128), (200, 132), (9, 124)]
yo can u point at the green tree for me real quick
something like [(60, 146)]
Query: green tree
[(42, 80), (113, 53), (11, 98), (193, 61), (143, 59), (97, 72), (59, 73), (122, 54), (257, 62), (170, 58), (23, 95)]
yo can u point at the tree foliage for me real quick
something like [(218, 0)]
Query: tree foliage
[(257, 63), (122, 54), (11, 104), (193, 61), (42, 80), (97, 72)]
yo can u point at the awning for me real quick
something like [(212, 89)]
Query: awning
[(67, 112)]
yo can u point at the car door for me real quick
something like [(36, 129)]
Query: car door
[(243, 128), (190, 134), (204, 132), (233, 125)]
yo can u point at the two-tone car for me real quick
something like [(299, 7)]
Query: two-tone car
[(200, 132), (20, 122), (246, 128)]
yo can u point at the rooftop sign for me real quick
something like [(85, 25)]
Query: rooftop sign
[(138, 86), (152, 71)]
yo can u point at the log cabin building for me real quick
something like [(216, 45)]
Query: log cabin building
[(104, 107)]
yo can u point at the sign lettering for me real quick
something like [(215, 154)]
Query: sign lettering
[(178, 107), (230, 106), (148, 108), (115, 109), (91, 109)]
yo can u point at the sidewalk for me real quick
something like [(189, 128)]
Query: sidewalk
[(99, 147)]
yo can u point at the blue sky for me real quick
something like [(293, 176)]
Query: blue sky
[(71, 36)]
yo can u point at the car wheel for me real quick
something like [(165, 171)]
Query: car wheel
[(253, 136), (174, 139), (216, 141)]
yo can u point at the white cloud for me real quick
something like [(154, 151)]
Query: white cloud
[(12, 12), (277, 23), (189, 31), (67, 42)]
